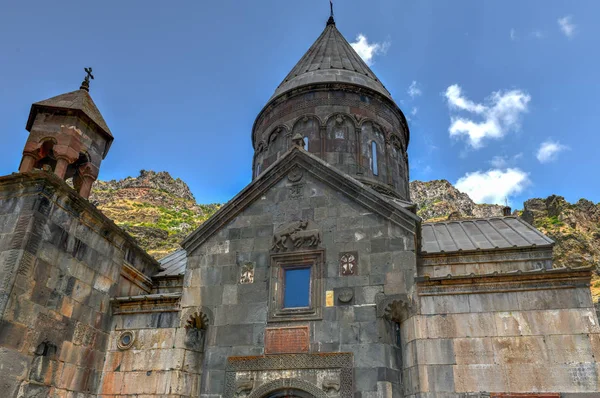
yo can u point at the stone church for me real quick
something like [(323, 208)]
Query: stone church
[(316, 280)]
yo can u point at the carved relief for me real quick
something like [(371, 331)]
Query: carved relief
[(331, 386), (295, 236), (309, 237), (295, 174), (349, 263), (243, 388), (297, 191), (345, 295), (396, 311), (282, 236), (197, 320), (247, 275)]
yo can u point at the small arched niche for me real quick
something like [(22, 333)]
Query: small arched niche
[(46, 156)]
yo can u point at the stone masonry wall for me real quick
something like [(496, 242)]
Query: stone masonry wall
[(163, 361), (239, 311), (508, 334), (60, 261)]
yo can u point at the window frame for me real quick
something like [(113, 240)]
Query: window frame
[(281, 262)]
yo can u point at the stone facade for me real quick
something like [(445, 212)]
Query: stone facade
[(385, 248), (61, 261), (316, 280)]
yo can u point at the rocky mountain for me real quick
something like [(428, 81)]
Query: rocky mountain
[(159, 211), (574, 227), (438, 200), (155, 208)]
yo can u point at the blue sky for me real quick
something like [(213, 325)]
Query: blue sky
[(502, 97)]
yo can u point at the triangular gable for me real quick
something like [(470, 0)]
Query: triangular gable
[(318, 169)]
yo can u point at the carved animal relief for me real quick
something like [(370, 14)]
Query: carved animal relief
[(294, 236)]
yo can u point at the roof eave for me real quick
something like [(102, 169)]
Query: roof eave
[(36, 107)]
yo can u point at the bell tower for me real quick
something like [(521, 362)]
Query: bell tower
[(68, 136)]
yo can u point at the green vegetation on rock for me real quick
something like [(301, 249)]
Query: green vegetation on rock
[(156, 209)]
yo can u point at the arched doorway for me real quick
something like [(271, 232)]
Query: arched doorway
[(289, 393), (284, 388)]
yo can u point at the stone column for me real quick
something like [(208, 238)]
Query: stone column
[(27, 162), (61, 167), (358, 132)]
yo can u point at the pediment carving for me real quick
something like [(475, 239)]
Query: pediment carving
[(296, 235)]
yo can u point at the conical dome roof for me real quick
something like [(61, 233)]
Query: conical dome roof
[(331, 59)]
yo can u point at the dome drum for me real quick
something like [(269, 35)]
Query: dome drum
[(359, 134)]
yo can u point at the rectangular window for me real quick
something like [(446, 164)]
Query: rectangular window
[(296, 286)]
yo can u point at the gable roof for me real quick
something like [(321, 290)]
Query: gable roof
[(173, 264), (79, 101), (318, 169), (331, 59), (480, 234)]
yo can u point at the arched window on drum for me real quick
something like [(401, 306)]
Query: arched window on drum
[(308, 128), (374, 160)]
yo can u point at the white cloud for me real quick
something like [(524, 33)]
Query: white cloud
[(549, 151), (500, 162), (513, 34), (537, 34), (500, 115), (414, 111), (567, 26), (493, 186), (368, 50), (414, 90)]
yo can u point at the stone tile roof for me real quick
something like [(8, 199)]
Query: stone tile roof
[(518, 272), (480, 234), (331, 59), (79, 100), (174, 264)]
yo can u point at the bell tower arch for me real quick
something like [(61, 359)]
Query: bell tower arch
[(67, 136)]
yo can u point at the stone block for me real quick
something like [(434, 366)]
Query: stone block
[(365, 379), (493, 302), (435, 352), (230, 335), (365, 313), (394, 283), (230, 294), (470, 351), (480, 377), (440, 378), (12, 335), (570, 348), (447, 304)]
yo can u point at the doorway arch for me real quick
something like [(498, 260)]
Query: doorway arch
[(283, 388)]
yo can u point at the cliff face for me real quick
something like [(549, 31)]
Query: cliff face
[(156, 209), (437, 200), (574, 227)]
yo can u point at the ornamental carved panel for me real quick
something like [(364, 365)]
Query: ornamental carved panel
[(348, 263), (287, 340)]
